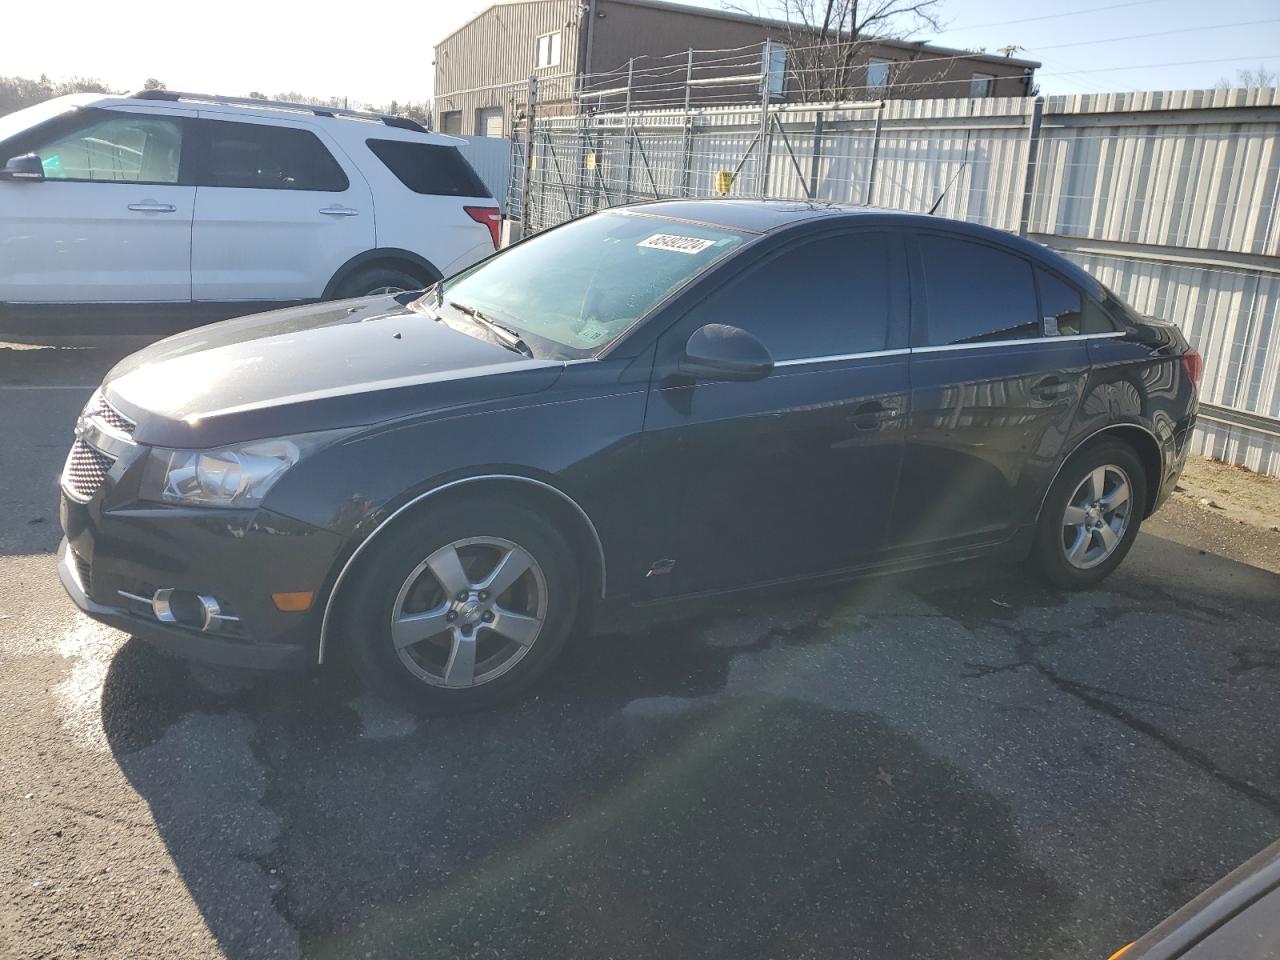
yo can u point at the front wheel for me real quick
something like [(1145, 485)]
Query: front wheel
[(463, 608), (1091, 515)]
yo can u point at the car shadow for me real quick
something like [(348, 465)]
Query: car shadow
[(640, 804)]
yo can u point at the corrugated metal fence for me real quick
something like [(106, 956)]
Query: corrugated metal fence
[(491, 159), (1169, 198)]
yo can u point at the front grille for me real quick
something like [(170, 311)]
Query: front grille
[(85, 470), (108, 415)]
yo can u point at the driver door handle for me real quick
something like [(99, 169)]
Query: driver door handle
[(150, 206), (870, 415), (339, 211)]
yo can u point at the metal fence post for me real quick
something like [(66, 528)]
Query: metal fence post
[(764, 141), (1033, 158), (525, 196), (627, 131), (875, 156), (816, 154)]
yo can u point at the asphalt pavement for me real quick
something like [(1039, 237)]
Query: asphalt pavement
[(961, 763)]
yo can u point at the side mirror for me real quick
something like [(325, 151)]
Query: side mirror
[(26, 167), (718, 351)]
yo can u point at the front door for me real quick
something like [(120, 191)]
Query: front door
[(794, 474), (992, 396), (278, 211), (111, 221)]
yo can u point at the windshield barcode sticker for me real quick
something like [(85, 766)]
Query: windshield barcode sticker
[(676, 243)]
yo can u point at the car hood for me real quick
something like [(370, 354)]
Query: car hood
[(318, 367)]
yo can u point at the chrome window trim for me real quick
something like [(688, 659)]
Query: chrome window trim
[(1025, 341), (872, 354), (346, 567), (835, 357)]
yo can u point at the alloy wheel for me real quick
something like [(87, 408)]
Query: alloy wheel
[(384, 290), (469, 612), (1096, 517)]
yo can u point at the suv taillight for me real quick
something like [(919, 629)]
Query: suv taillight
[(491, 217), (1193, 363)]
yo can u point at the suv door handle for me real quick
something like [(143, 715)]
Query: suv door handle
[(870, 415), (150, 206), (1050, 388), (339, 211)]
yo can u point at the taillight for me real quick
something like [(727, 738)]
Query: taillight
[(1193, 363), (491, 217)]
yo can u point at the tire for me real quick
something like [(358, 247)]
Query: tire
[(405, 578), (377, 280), (1074, 556)]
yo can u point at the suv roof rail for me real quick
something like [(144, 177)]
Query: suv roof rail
[(403, 123)]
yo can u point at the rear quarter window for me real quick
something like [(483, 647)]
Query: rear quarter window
[(431, 169)]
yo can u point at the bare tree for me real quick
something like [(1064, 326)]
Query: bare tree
[(826, 40), (1261, 77), (151, 83)]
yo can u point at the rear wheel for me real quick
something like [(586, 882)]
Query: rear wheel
[(374, 281), (463, 608), (1091, 515)]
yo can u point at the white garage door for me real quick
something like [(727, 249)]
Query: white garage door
[(489, 122)]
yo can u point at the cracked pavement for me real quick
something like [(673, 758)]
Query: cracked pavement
[(956, 763)]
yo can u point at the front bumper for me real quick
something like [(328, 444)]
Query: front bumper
[(112, 562), (178, 640)]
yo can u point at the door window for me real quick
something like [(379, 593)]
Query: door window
[(1066, 311), (126, 148), (824, 298), (976, 292), (255, 155)]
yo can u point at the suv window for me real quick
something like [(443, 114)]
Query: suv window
[(976, 292), (429, 168), (124, 147), (267, 157), (824, 298)]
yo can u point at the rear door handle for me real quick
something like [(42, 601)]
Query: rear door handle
[(339, 211), (150, 206), (1050, 388), (872, 414)]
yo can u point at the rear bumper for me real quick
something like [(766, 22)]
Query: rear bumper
[(178, 640)]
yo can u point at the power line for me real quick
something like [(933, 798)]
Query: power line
[(1162, 33), (1053, 16), (1169, 63)]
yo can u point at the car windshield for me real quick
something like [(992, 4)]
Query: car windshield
[(574, 290), (15, 123)]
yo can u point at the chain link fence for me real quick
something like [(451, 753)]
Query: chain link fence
[(1169, 198)]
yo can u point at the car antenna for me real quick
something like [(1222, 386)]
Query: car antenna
[(942, 196)]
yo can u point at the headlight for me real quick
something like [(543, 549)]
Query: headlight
[(237, 476)]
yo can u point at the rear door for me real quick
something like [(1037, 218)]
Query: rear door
[(992, 396), (111, 222), (278, 210), (794, 474)]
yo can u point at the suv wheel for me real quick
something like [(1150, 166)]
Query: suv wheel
[(463, 608), (376, 281), (1091, 515)]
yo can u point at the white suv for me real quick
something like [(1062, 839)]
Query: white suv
[(166, 209)]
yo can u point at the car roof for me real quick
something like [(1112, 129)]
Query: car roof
[(770, 216), (338, 121)]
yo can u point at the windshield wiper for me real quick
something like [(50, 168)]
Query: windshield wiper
[(508, 337)]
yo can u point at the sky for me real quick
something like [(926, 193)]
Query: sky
[(385, 53)]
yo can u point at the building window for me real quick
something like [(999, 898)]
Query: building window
[(982, 85), (548, 50), (878, 76)]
